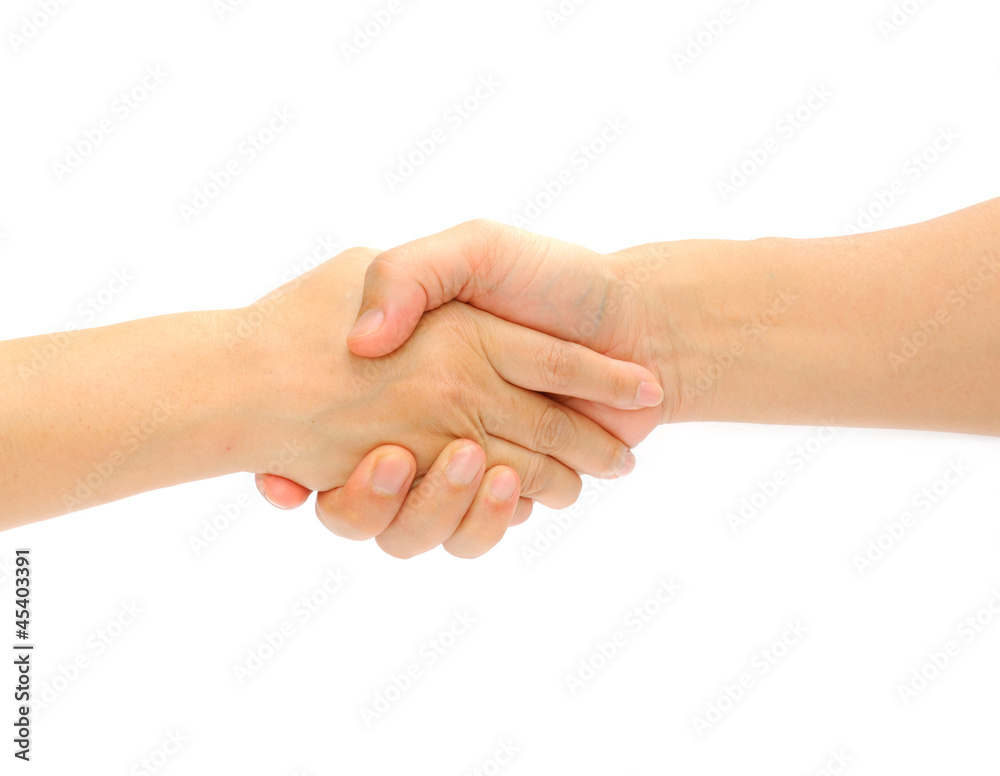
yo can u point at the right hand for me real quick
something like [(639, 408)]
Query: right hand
[(607, 303)]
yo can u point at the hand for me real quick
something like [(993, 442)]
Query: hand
[(453, 381), (603, 302), (369, 502), (558, 288)]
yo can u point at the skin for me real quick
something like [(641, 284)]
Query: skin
[(892, 329), (272, 388)]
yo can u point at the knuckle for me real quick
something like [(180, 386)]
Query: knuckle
[(484, 238), (559, 365), (491, 420), (382, 265), (460, 326), (555, 432), (624, 386), (453, 390), (534, 478), (389, 265)]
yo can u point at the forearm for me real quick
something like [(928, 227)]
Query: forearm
[(895, 329), (116, 411)]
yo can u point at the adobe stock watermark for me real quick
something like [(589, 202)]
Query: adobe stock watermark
[(428, 654), (633, 623), (547, 536), (967, 631), (97, 644), (6, 571), (224, 8), (899, 16), (752, 332), (913, 170), (32, 24), (324, 248), (629, 293), (795, 462), (229, 513), (165, 751), (275, 639), (248, 150), (700, 41), (221, 520), (581, 160), (561, 12), (455, 116), (253, 317), (367, 32), (837, 762), (763, 662), (503, 756), (88, 311), (100, 472), (785, 129), (922, 503), (914, 342), (123, 106)]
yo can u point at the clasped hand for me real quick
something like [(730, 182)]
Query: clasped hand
[(457, 431)]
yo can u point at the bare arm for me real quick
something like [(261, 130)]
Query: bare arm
[(899, 328), (893, 329), (117, 411), (110, 412)]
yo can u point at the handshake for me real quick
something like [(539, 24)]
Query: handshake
[(435, 391), (432, 393)]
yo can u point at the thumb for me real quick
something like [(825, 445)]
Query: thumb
[(391, 305), (402, 283)]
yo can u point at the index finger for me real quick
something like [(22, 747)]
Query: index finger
[(538, 362)]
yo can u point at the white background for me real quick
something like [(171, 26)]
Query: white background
[(505, 679)]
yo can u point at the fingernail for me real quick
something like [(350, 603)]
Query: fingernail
[(649, 395), (369, 323), (503, 485), (628, 466), (260, 488), (464, 465), (390, 475)]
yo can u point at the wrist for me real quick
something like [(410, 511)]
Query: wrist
[(769, 330), (296, 389), (667, 331), (712, 309), (182, 410), (247, 388)]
